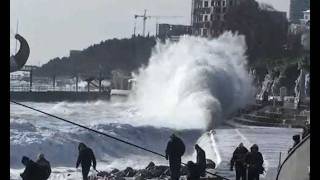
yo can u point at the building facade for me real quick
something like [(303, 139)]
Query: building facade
[(208, 16), (297, 7), (172, 30)]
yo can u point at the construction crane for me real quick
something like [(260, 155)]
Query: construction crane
[(145, 17)]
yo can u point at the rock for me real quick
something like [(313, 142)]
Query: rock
[(150, 165), (103, 174), (139, 178), (120, 174), (157, 171), (129, 172), (144, 173), (210, 164), (114, 171)]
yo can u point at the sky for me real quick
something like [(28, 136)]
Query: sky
[(53, 28)]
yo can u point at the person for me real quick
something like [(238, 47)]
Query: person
[(44, 165), (32, 170), (296, 141), (194, 171), (201, 159), (175, 149), (254, 162), (238, 160), (85, 158), (306, 129)]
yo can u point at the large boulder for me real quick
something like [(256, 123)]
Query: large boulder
[(184, 170), (157, 171), (103, 174), (150, 166), (114, 171), (129, 172), (210, 164)]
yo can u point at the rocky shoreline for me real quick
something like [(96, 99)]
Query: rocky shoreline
[(151, 171)]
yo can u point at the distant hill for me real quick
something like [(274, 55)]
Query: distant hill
[(124, 54)]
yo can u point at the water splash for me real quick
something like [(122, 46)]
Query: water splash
[(195, 82)]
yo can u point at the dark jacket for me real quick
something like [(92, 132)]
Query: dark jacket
[(85, 158), (201, 159), (45, 166), (193, 171), (239, 156), (175, 148), (255, 161), (32, 171)]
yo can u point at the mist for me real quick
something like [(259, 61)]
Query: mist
[(195, 82)]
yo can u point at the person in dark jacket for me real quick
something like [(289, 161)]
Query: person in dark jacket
[(32, 170), (85, 158), (193, 171), (238, 160), (44, 165), (175, 149), (201, 159), (254, 161), (296, 141)]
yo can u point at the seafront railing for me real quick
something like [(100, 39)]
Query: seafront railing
[(48, 88)]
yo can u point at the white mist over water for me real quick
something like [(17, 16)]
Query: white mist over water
[(195, 82)]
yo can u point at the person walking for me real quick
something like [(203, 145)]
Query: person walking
[(85, 158), (254, 161), (174, 151), (238, 160)]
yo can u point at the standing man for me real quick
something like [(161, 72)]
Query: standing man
[(85, 158), (254, 161), (44, 165), (201, 160), (175, 149), (238, 160)]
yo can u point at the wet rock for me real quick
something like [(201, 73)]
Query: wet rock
[(114, 171), (144, 173), (103, 174), (120, 174), (129, 172), (139, 178), (150, 166), (210, 164), (157, 171)]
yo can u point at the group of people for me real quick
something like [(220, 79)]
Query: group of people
[(175, 150), (247, 164), (41, 170)]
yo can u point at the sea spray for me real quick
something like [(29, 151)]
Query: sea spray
[(195, 82)]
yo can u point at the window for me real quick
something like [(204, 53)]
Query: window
[(205, 17), (200, 18), (204, 32), (224, 3), (218, 3), (211, 17), (212, 3), (230, 3), (206, 4)]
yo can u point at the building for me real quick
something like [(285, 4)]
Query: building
[(171, 30), (297, 7), (208, 16), (306, 18)]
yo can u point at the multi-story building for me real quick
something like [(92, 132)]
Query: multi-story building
[(172, 30), (208, 16), (297, 7)]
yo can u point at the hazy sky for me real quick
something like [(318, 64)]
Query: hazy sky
[(54, 27)]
